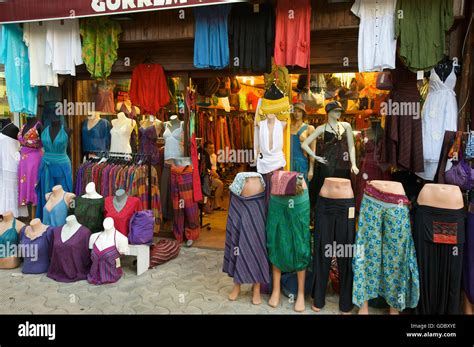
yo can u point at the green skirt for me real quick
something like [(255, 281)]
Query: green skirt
[(288, 235)]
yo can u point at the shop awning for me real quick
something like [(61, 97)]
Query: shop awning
[(12, 11)]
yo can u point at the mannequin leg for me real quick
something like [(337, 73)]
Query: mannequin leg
[(468, 306), (234, 294), (299, 304), (274, 300), (256, 297), (364, 309), (393, 311)]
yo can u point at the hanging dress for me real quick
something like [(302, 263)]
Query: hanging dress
[(55, 168), (440, 113), (30, 160)]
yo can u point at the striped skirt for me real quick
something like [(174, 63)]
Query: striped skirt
[(245, 256)]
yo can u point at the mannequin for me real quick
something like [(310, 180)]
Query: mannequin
[(439, 233), (36, 229), (30, 123), (95, 133), (9, 129), (121, 132), (91, 193), (173, 136), (121, 208), (335, 223), (35, 240), (54, 129), (299, 133), (253, 186), (150, 129), (56, 208), (120, 199), (127, 108), (70, 228), (150, 120), (107, 238), (269, 158), (9, 230)]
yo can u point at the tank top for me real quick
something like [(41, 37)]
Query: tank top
[(270, 159), (173, 142), (104, 264), (7, 239), (57, 216)]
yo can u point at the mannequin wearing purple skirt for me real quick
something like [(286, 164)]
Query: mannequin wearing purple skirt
[(30, 158)]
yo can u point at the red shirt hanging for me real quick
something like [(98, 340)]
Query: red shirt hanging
[(293, 32), (149, 88)]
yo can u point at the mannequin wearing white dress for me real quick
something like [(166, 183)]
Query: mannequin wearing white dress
[(122, 129)]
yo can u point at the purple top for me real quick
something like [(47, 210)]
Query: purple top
[(70, 260), (35, 252), (104, 264), (148, 144)]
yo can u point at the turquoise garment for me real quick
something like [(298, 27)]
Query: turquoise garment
[(55, 168), (8, 239), (57, 216), (299, 162), (14, 55), (211, 40), (97, 138), (385, 263)]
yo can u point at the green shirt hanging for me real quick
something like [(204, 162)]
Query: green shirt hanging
[(421, 26), (100, 37)]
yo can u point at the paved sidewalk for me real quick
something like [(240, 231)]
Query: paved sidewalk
[(193, 283)]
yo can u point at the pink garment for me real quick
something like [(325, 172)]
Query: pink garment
[(293, 29), (197, 189)]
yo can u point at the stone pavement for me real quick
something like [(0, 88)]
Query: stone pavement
[(193, 283)]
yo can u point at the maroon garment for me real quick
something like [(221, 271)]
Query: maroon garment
[(148, 143), (402, 143), (370, 170), (70, 260)]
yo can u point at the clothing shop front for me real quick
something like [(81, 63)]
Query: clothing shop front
[(307, 141)]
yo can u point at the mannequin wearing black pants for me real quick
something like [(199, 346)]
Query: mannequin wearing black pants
[(334, 225)]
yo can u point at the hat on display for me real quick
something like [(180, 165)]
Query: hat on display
[(274, 102), (300, 106), (334, 105)]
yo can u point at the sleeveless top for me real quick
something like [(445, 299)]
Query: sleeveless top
[(7, 239), (31, 138), (104, 264), (270, 159), (173, 142), (335, 151), (120, 137), (296, 150), (57, 216)]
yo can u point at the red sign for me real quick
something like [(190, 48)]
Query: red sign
[(12, 11)]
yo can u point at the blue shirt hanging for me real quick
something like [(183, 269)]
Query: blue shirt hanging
[(14, 55), (211, 41)]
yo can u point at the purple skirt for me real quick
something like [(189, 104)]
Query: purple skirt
[(30, 160)]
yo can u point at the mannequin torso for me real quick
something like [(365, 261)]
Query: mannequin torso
[(108, 237), (388, 187), (35, 229), (9, 129), (56, 196), (7, 222), (441, 196), (252, 186), (120, 200), (336, 188), (70, 228), (30, 123), (91, 193)]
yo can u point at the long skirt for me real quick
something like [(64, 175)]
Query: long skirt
[(245, 256), (468, 266), (30, 160)]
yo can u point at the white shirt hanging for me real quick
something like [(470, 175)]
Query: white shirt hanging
[(377, 42), (41, 74), (63, 46)]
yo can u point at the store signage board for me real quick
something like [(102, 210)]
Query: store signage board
[(17, 11)]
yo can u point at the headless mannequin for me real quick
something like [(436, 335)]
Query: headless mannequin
[(9, 129), (91, 193), (173, 124), (296, 125), (35, 229), (152, 121), (127, 104), (335, 188), (120, 200), (252, 186), (92, 120), (6, 222), (54, 131), (70, 228), (391, 188), (55, 197), (337, 128), (271, 126), (121, 119), (444, 68), (108, 237), (448, 197), (30, 123)]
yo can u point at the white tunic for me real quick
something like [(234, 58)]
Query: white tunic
[(377, 42), (41, 74), (63, 46), (9, 160), (270, 159), (439, 113)]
